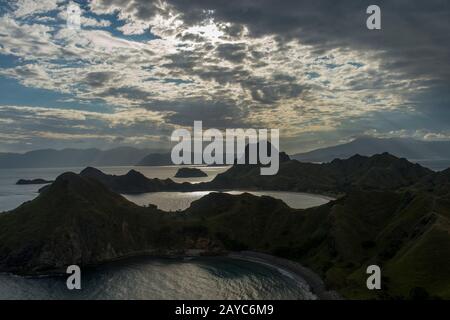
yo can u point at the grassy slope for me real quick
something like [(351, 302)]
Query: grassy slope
[(380, 172), (402, 233), (77, 220)]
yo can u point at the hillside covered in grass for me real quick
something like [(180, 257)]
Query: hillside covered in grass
[(379, 172), (405, 230)]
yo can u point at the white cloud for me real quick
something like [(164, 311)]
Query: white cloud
[(419, 134), (278, 85), (24, 8)]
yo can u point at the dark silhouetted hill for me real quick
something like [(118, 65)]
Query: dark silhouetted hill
[(131, 183), (155, 159), (49, 158), (190, 173), (378, 172), (437, 183), (77, 220), (32, 181), (164, 159), (411, 149), (74, 221)]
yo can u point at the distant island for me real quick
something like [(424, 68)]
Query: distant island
[(50, 158), (411, 149), (414, 150), (190, 173), (156, 159), (33, 181)]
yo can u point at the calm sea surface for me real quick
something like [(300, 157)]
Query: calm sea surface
[(150, 278), (173, 201)]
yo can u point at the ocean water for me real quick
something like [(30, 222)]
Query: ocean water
[(173, 201), (151, 278), (435, 165)]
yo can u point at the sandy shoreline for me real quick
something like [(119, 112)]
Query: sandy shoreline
[(299, 272), (306, 278)]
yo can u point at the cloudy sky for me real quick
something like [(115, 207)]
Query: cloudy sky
[(138, 69)]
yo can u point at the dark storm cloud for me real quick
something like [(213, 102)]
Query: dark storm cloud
[(414, 42), (237, 78), (98, 79), (233, 52), (222, 75), (26, 72), (264, 90), (278, 87), (195, 63), (413, 45), (213, 113), (190, 37), (130, 93), (184, 60), (415, 35)]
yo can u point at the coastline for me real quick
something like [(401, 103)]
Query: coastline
[(289, 268), (299, 272), (315, 195), (304, 276)]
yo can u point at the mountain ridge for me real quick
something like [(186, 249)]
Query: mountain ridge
[(382, 171), (71, 157), (412, 149), (78, 220)]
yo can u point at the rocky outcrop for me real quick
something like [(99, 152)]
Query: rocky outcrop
[(133, 182), (32, 181), (190, 173)]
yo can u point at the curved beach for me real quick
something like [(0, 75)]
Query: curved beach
[(292, 269)]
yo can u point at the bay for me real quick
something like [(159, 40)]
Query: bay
[(151, 278)]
